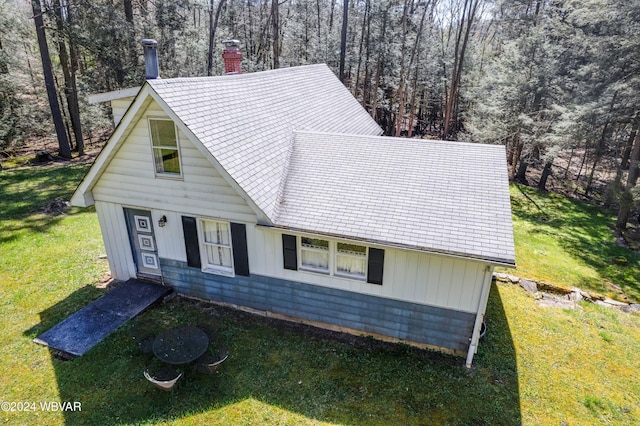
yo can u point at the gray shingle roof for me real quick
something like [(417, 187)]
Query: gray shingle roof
[(247, 121), (444, 197), (310, 157)]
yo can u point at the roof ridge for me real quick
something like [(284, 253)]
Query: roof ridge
[(283, 178), (395, 138), (249, 75)]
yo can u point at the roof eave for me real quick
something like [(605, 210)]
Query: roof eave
[(509, 263)]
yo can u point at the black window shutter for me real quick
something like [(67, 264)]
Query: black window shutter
[(289, 252), (239, 245), (376, 266), (191, 243)]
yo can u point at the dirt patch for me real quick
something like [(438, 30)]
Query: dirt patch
[(56, 207)]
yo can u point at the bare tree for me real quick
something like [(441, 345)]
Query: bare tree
[(63, 141), (69, 73), (469, 11)]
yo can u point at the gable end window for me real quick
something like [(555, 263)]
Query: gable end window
[(164, 141), (217, 253)]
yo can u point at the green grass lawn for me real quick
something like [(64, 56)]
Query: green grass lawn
[(535, 366), (571, 244)]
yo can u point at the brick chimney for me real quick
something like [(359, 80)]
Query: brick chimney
[(232, 57), (152, 71)]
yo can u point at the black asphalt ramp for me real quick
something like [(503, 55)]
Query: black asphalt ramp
[(91, 324)]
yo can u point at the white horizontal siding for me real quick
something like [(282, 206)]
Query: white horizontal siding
[(408, 275), (116, 240), (119, 107), (129, 179)]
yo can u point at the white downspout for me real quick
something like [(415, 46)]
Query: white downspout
[(482, 307)]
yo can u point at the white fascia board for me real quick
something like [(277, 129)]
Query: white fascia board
[(262, 216), (110, 96), (82, 197)]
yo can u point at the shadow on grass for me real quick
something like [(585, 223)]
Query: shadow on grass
[(585, 232), (26, 191), (281, 372)]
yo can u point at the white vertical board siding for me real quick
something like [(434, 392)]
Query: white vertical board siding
[(408, 275), (129, 179), (116, 240), (169, 238)]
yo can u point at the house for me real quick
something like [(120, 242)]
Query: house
[(274, 192)]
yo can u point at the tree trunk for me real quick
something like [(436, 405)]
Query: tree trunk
[(634, 163), (546, 172), (626, 199), (70, 88), (566, 171), (333, 6), (600, 149), (319, 21), (515, 157), (626, 202), (626, 153), (63, 141), (367, 75), (598, 155), (521, 174), (275, 26), (213, 26), (343, 38), (130, 27), (4, 68), (128, 11), (363, 34), (468, 16), (381, 50), (401, 90)]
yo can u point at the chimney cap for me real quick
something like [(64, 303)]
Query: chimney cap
[(231, 43), (147, 42)]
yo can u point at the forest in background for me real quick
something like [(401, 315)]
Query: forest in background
[(555, 81)]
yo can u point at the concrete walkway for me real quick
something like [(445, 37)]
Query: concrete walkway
[(90, 325)]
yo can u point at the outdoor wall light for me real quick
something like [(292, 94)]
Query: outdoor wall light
[(162, 222)]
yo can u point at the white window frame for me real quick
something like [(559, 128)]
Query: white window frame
[(332, 251), (228, 271), (364, 257), (302, 248), (158, 173)]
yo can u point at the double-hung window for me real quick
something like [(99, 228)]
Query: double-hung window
[(216, 240), (351, 261), (334, 258), (164, 142), (337, 258), (314, 254)]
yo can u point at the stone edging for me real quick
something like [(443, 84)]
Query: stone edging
[(550, 295)]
